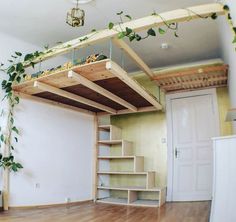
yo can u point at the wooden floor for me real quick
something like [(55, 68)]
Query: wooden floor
[(170, 212)]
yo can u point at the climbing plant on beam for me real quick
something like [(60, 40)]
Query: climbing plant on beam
[(15, 72)]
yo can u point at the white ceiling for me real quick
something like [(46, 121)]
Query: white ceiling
[(42, 22)]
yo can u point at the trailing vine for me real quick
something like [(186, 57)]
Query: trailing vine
[(16, 72)]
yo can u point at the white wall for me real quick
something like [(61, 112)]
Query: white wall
[(228, 51), (55, 148)]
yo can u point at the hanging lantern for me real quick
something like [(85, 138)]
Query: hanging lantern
[(75, 17)]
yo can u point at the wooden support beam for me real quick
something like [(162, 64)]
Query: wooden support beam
[(179, 15), (72, 96), (123, 76), (134, 56), (127, 111), (54, 103), (91, 85)]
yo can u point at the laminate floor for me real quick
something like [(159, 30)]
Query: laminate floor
[(170, 212)]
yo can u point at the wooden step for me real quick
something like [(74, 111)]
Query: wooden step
[(138, 161), (126, 146), (115, 132), (132, 188)]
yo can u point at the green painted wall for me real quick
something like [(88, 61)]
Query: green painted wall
[(146, 131)]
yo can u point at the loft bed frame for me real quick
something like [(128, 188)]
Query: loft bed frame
[(103, 87)]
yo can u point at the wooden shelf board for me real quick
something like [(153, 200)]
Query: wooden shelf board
[(145, 203), (105, 127), (110, 142), (122, 173), (117, 157), (130, 188), (112, 200)]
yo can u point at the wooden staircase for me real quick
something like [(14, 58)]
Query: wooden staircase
[(110, 137)]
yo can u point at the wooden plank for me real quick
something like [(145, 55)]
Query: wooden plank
[(134, 56), (179, 15), (132, 196), (93, 86), (162, 197), (115, 133), (127, 111), (53, 103), (150, 180), (122, 75), (139, 164), (95, 159), (72, 96)]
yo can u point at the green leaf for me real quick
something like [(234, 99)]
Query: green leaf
[(120, 13), (121, 35), (18, 53), (214, 16), (12, 120), (11, 61), (161, 31), (14, 167), (28, 57), (128, 31), (111, 25), (226, 7), (2, 138), (138, 37), (17, 99), (229, 16), (16, 139), (93, 30), (19, 165), (129, 17), (19, 67), (151, 32), (176, 35), (15, 130), (154, 13), (234, 41), (11, 69), (131, 37), (234, 29), (0, 156), (18, 79)]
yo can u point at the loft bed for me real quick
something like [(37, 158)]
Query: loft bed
[(103, 87), (98, 87)]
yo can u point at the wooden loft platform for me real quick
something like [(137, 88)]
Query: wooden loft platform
[(192, 78), (101, 87)]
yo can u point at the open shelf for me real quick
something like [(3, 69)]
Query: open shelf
[(116, 157), (145, 203), (132, 188), (123, 173), (112, 200), (110, 142)]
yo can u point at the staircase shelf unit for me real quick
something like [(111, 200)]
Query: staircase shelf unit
[(109, 139)]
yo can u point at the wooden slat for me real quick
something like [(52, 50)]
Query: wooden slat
[(191, 71), (93, 86), (122, 75), (134, 56), (72, 96), (179, 15)]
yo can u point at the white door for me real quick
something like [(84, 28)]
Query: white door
[(194, 123)]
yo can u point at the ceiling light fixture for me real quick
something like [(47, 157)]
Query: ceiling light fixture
[(75, 17)]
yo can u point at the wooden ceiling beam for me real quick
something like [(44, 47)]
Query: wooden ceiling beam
[(123, 76), (127, 111), (71, 96), (93, 86), (179, 15), (53, 103), (134, 56)]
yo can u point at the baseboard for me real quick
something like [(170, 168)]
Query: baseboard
[(52, 205)]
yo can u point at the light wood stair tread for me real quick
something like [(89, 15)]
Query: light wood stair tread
[(125, 172), (118, 157), (132, 188)]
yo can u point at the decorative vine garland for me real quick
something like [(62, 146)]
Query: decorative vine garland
[(16, 73)]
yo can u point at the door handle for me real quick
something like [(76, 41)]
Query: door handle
[(176, 152)]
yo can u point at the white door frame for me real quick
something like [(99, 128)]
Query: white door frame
[(170, 150)]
